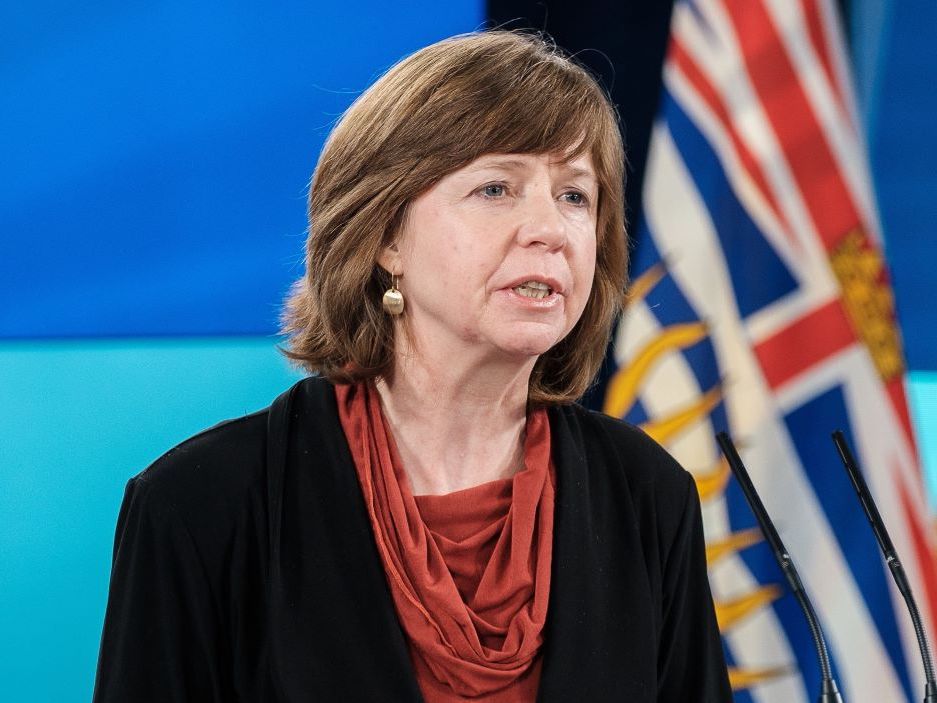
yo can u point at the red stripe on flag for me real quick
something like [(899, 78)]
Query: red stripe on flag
[(923, 552), (899, 402), (804, 343), (817, 33), (709, 95), (792, 116)]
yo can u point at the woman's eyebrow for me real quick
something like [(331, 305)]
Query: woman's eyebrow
[(581, 173), (513, 164), (504, 162)]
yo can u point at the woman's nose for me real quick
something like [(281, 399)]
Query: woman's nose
[(542, 223)]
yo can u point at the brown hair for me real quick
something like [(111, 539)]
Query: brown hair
[(431, 114)]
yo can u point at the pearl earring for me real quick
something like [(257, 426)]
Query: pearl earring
[(393, 298)]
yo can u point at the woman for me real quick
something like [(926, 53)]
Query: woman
[(429, 517)]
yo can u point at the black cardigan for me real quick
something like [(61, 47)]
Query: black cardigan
[(245, 569)]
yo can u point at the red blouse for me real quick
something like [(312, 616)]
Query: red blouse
[(469, 571)]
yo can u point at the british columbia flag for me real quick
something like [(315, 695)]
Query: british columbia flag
[(761, 305)]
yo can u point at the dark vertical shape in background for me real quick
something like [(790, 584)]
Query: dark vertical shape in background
[(844, 8), (623, 43)]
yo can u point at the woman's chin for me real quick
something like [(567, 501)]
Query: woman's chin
[(525, 346)]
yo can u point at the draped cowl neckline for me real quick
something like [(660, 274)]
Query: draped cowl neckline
[(469, 572)]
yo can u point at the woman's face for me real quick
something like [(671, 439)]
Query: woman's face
[(499, 256)]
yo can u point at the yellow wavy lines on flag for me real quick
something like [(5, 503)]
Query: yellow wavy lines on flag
[(735, 542), (712, 483), (645, 283), (665, 428), (747, 678), (731, 612), (622, 389)]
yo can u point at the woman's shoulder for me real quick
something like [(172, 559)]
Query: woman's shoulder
[(624, 448), (213, 468), (221, 468), (648, 488)]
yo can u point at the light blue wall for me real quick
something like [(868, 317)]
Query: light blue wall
[(77, 419), (922, 394)]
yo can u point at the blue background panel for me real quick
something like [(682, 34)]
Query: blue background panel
[(77, 420), (155, 155)]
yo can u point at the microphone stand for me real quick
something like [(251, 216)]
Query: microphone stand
[(829, 693), (891, 558)]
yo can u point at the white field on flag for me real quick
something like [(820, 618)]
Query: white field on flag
[(765, 84)]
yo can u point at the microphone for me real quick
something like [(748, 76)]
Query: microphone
[(891, 559), (829, 693)]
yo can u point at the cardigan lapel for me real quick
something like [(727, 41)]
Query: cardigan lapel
[(600, 639), (335, 633)]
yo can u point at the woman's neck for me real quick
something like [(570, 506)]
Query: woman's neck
[(456, 425)]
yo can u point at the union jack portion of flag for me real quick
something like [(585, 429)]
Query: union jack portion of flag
[(761, 305)]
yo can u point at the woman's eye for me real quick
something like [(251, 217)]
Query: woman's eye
[(493, 190), (575, 197)]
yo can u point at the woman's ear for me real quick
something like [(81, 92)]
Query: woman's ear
[(389, 259)]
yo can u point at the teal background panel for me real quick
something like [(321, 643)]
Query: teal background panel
[(77, 420), (922, 397)]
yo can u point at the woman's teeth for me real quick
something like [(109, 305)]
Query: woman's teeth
[(533, 289)]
